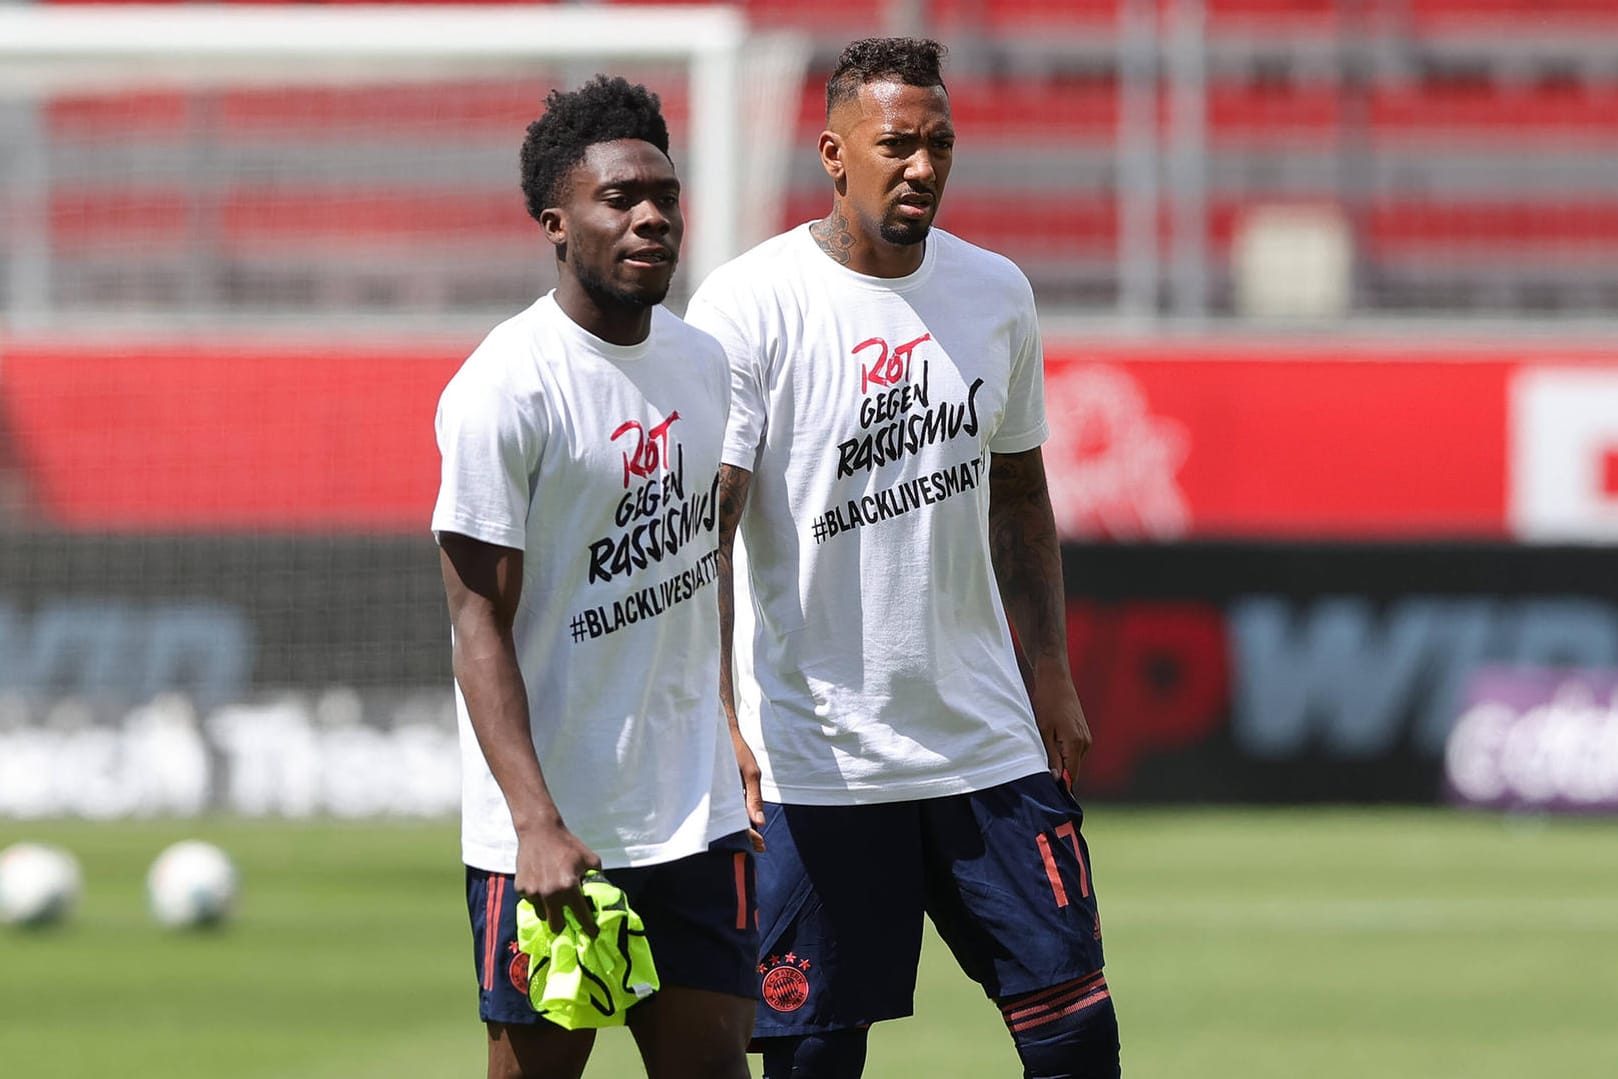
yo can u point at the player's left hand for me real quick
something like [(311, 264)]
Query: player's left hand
[(747, 764), (1063, 728)]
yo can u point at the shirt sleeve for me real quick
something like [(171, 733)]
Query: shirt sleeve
[(488, 453), (1024, 426), (748, 410)]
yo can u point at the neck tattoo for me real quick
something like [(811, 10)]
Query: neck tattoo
[(834, 236)]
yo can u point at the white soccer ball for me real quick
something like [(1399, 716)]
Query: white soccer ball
[(39, 884), (191, 884)]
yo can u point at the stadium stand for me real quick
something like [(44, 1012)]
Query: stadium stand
[(1467, 143)]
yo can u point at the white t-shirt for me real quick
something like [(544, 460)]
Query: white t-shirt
[(880, 666), (600, 462)]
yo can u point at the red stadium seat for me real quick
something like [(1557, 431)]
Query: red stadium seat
[(513, 2), (1508, 16), (1041, 90), (1439, 114), (1075, 16), (457, 110), (1255, 115), (1427, 230), (262, 221), (1039, 16), (842, 17)]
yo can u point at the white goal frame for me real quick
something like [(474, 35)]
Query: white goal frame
[(738, 83)]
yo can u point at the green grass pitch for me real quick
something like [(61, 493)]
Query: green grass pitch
[(1241, 943)]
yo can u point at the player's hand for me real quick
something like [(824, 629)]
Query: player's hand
[(1064, 730), (747, 764), (551, 864)]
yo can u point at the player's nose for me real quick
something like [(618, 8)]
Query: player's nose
[(650, 219), (920, 168)]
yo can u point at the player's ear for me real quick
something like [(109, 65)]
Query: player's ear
[(831, 155), (554, 225)]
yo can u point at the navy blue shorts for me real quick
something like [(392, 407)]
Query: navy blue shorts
[(701, 922), (1004, 874)]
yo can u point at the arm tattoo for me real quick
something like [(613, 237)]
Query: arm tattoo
[(1026, 553), (733, 485), (834, 236)]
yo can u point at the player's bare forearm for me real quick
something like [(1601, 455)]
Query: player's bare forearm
[(733, 486), (483, 585), (1027, 558)]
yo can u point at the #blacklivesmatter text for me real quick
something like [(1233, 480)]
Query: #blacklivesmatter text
[(898, 499), (644, 603)]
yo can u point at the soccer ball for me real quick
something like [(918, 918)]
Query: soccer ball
[(191, 884), (39, 884)]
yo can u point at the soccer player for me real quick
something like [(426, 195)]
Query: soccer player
[(577, 524), (883, 465)]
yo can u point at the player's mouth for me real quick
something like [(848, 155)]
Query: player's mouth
[(651, 257), (917, 204)]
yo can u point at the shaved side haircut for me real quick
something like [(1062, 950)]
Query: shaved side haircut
[(913, 61)]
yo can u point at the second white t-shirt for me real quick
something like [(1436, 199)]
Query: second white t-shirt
[(874, 662)]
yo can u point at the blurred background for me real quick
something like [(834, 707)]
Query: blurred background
[(1329, 291)]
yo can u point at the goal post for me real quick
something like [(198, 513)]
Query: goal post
[(733, 86)]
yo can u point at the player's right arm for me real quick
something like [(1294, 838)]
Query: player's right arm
[(714, 309), (483, 584), (733, 485)]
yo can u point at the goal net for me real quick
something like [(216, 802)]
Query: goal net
[(241, 250)]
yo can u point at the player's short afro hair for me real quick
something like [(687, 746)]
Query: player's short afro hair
[(605, 109), (913, 61)]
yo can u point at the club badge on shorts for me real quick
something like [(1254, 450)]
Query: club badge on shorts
[(786, 981)]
